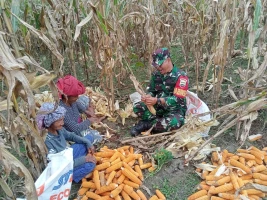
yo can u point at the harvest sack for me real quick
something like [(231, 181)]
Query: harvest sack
[(196, 106), (55, 181)]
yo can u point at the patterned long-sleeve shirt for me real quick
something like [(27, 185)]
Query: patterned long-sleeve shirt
[(163, 86), (58, 143), (71, 119)]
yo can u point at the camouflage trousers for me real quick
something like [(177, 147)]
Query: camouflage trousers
[(163, 121)]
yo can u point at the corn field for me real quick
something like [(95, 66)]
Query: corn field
[(44, 40)]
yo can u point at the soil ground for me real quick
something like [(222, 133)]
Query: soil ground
[(176, 180)]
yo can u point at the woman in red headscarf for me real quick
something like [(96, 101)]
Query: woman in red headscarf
[(69, 90)]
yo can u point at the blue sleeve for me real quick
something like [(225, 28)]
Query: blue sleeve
[(70, 136), (79, 161), (75, 126), (81, 107), (50, 147)]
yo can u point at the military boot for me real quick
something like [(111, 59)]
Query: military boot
[(141, 126)]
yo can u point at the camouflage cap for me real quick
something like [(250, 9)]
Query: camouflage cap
[(159, 56)]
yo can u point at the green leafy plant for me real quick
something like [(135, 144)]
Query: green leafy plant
[(166, 188), (170, 187), (161, 156)]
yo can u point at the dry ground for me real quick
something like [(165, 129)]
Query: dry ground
[(175, 179)]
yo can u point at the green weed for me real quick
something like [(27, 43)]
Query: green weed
[(263, 118), (184, 187), (187, 185), (166, 188), (161, 156)]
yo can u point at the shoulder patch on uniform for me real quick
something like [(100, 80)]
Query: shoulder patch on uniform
[(181, 86)]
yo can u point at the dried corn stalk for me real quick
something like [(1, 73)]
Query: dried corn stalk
[(100, 103), (125, 113), (179, 142), (45, 96)]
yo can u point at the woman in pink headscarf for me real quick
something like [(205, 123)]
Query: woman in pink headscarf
[(69, 90)]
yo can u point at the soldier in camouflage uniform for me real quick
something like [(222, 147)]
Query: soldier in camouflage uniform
[(166, 92)]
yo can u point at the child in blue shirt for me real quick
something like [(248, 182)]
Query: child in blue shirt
[(57, 137)]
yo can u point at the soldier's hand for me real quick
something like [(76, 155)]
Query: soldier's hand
[(144, 97), (151, 101)]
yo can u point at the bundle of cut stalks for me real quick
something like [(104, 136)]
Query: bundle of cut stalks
[(45, 96), (101, 104), (99, 101), (117, 175), (242, 175), (180, 142)]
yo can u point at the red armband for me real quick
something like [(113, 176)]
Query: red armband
[(181, 87)]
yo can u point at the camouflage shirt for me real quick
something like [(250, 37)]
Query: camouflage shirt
[(162, 86)]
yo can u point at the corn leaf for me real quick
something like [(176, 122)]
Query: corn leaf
[(15, 8), (75, 6), (81, 24), (100, 17), (257, 15), (3, 105), (107, 5), (46, 41), (6, 188), (21, 170)]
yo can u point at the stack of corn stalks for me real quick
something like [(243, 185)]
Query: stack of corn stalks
[(45, 96), (18, 124), (242, 175), (101, 104), (182, 142), (117, 175)]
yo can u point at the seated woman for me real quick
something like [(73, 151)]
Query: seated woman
[(57, 137), (69, 89)]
